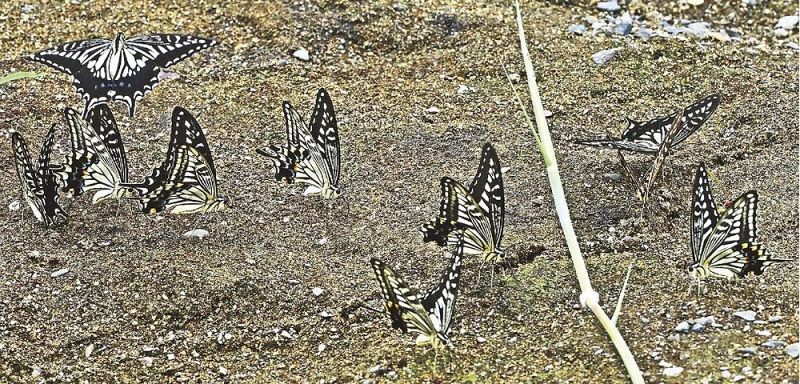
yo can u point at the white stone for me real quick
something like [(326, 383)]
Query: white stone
[(745, 315), (788, 22), (682, 327), (672, 371), (59, 272), (14, 205), (432, 110), (793, 350), (317, 291), (198, 233), (321, 347), (301, 54), (605, 55), (481, 339)]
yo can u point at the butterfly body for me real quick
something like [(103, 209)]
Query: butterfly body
[(429, 316), (120, 69), (725, 244), (476, 214), (311, 155), (39, 183), (647, 137)]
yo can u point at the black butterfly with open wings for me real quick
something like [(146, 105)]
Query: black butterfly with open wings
[(647, 137), (479, 211), (186, 180), (38, 181), (725, 245), (120, 69), (311, 154), (97, 160), (429, 316)]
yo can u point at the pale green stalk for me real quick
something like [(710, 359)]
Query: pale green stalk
[(17, 76), (617, 310), (588, 297)]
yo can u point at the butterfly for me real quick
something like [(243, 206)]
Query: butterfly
[(479, 211), (431, 315), (311, 154), (645, 186), (97, 160), (725, 244), (647, 137), (120, 69), (39, 184), (186, 181)]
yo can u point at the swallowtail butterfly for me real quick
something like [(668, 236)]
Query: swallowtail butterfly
[(186, 181), (645, 186), (479, 211), (311, 154), (38, 182), (647, 137), (726, 244), (120, 69), (97, 160), (429, 316)]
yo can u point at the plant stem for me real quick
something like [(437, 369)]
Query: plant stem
[(588, 297)]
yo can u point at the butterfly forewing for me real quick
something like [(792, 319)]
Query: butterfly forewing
[(325, 131), (487, 190), (440, 301), (704, 211)]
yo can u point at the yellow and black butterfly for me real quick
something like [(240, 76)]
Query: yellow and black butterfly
[(186, 181), (97, 159), (311, 154), (38, 182), (431, 315), (479, 211), (725, 245), (648, 137), (644, 186)]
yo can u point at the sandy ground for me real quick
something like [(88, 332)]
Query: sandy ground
[(140, 303)]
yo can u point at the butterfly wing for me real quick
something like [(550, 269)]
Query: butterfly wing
[(325, 132), (446, 222), (401, 302), (440, 301), (121, 70), (704, 212), (286, 158), (695, 115), (198, 192), (642, 146), (28, 175), (70, 172), (53, 214), (658, 162), (487, 190)]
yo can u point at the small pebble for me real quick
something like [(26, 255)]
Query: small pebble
[(793, 350), (399, 7), (321, 347), (548, 113), (748, 350), (294, 282), (625, 25), (322, 241), (317, 291), (775, 319), (325, 315), (286, 334), (788, 22), (745, 315), (604, 56), (222, 371), (765, 333), (698, 327), (608, 6), (59, 272), (301, 54), (481, 340), (578, 29), (672, 371), (682, 327), (774, 344), (14, 205), (699, 29), (27, 8), (198, 233), (514, 77), (432, 110), (780, 32), (463, 89)]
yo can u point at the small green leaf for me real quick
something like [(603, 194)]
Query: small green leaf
[(17, 76)]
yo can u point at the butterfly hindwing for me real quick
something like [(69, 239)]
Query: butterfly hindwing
[(38, 181)]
